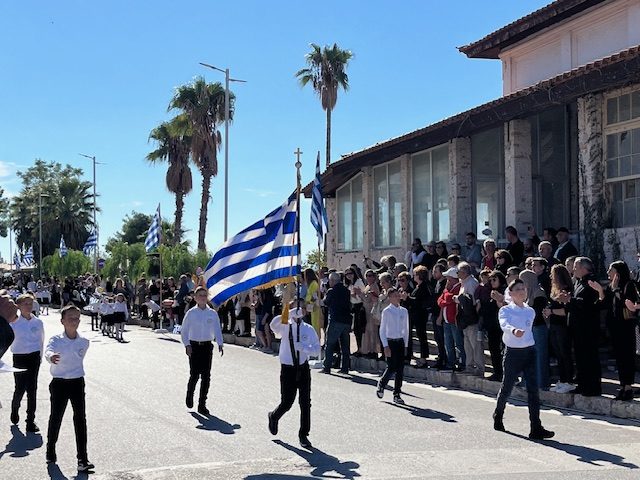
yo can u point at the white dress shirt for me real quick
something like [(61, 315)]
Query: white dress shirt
[(513, 317), (394, 324), (201, 325), (71, 351), (106, 308), (121, 307), (29, 335), (309, 344)]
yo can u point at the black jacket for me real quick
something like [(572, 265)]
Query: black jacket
[(6, 336), (338, 301)]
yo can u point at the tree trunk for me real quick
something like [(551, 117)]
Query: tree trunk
[(328, 136), (204, 205), (177, 223)]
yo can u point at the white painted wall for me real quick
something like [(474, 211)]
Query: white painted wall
[(599, 32)]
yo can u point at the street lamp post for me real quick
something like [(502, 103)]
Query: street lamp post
[(226, 140), (40, 231), (95, 225)]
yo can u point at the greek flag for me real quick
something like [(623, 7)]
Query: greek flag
[(266, 253), (153, 236), (63, 248), (16, 260), (318, 212), (27, 260), (91, 243)]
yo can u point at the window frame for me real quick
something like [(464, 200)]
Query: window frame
[(348, 185), (384, 165)]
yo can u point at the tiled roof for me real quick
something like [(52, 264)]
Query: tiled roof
[(555, 12), (610, 72)]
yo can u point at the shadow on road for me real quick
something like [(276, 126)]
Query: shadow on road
[(56, 474), (169, 339), (20, 444), (583, 454), (373, 382), (322, 462), (214, 424), (425, 412)]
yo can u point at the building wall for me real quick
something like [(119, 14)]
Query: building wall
[(598, 33)]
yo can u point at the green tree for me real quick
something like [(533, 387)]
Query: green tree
[(204, 106), (173, 146), (315, 259), (73, 264), (67, 207), (4, 214), (135, 227), (326, 72)]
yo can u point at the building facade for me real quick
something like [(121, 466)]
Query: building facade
[(561, 147)]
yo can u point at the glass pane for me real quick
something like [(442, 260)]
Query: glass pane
[(487, 207), (612, 110), (487, 152), (617, 191), (395, 204), (635, 104), (357, 214), (635, 143), (421, 188), (625, 166), (635, 165), (630, 189), (612, 146), (617, 214), (624, 144), (612, 168), (629, 207), (344, 218), (624, 108), (440, 159), (381, 205)]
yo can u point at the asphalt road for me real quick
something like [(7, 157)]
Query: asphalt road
[(139, 428)]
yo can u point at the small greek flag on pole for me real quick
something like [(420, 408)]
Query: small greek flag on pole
[(264, 254), (16, 261), (318, 212), (91, 243), (155, 230), (27, 260), (62, 252)]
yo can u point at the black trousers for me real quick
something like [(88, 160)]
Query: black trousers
[(438, 333), (26, 382), (419, 322), (395, 365), (585, 336), (517, 360), (359, 323), (623, 339), (200, 368), (494, 337), (292, 383), (62, 392), (561, 344)]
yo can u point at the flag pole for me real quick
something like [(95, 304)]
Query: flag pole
[(298, 166)]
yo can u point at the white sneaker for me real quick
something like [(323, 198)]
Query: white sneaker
[(564, 388)]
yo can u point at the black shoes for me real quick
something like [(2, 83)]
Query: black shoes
[(540, 433), (497, 423), (304, 442), (624, 395), (494, 378), (15, 418), (203, 410), (51, 458), (380, 390), (32, 427), (273, 424), (398, 400), (326, 371), (189, 401), (85, 465)]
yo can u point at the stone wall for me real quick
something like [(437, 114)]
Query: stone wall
[(460, 188), (518, 187)]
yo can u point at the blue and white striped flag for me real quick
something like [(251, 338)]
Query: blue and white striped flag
[(155, 230), (27, 260), (318, 212), (16, 260), (63, 248), (264, 253), (91, 243)]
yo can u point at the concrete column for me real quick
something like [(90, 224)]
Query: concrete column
[(592, 206), (406, 201), (368, 206), (460, 188), (331, 206), (518, 185)]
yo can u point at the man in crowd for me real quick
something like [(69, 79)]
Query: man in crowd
[(565, 248), (515, 247), (472, 252), (338, 301), (546, 251)]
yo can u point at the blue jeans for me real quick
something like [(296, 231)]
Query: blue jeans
[(454, 340), (541, 337), (338, 332)]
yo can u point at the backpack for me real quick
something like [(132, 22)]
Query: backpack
[(467, 314)]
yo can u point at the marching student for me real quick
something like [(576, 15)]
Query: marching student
[(65, 352), (299, 341), (201, 325), (154, 308), (27, 354), (120, 315), (394, 333), (106, 315)]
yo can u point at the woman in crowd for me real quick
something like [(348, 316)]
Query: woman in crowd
[(622, 302), (371, 337), (312, 299), (438, 284), (504, 260), (489, 307), (558, 328), (537, 299), (489, 259), (356, 288), (419, 303), (441, 250)]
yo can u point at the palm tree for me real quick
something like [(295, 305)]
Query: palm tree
[(174, 144), (326, 72), (203, 105)]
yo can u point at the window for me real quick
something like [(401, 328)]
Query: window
[(388, 205), (622, 157), (350, 215), (430, 187), (487, 165)]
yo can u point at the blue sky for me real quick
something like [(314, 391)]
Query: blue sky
[(95, 77)]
